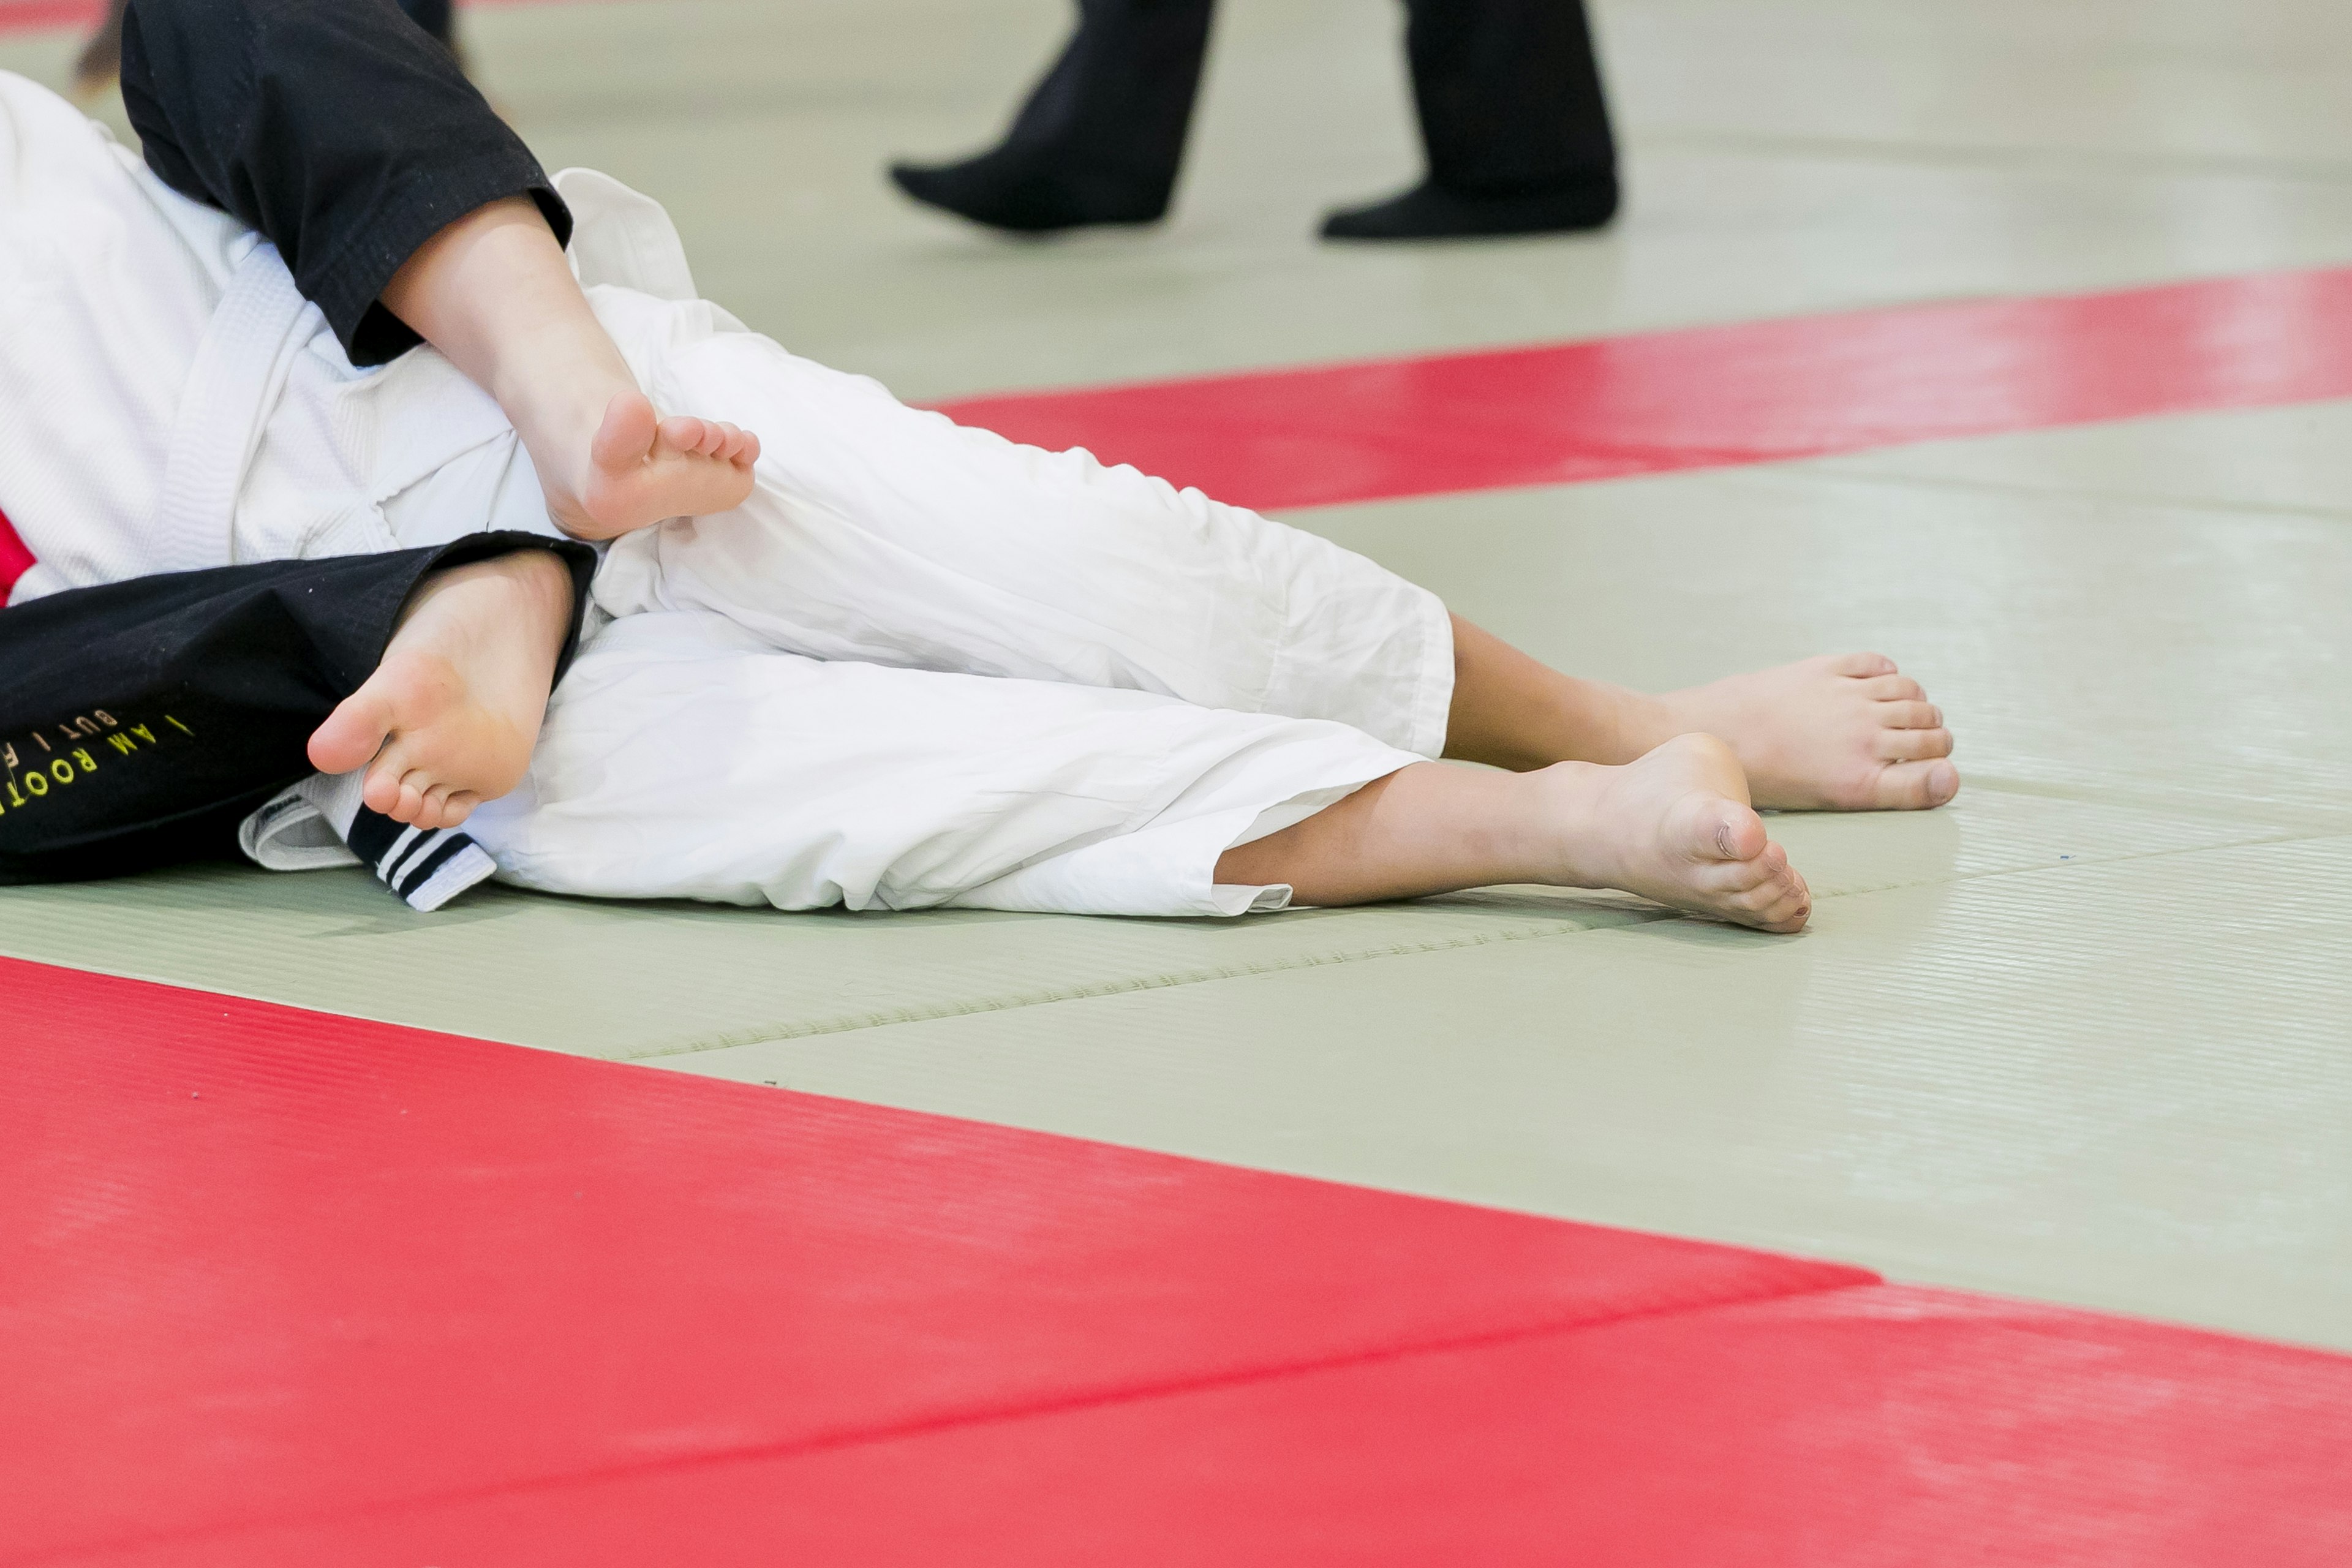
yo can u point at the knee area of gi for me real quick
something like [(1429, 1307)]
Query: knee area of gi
[(946, 1052)]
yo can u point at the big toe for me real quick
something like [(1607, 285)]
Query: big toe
[(1918, 786), (354, 732), (627, 433), (1712, 827)]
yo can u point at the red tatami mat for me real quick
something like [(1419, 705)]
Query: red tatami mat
[(1870, 1427), (264, 1264), (288, 1288), (1709, 397), (44, 16)]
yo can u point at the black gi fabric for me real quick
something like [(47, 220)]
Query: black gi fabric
[(340, 129), (140, 721), (1508, 92)]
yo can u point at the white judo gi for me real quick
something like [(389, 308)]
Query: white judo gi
[(922, 665)]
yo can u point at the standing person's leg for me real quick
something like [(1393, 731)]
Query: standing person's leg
[(1514, 121), (1099, 139), (437, 18), (404, 208), (142, 720)]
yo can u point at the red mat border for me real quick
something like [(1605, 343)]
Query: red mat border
[(59, 16), (1709, 396)]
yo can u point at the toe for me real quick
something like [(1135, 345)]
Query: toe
[(1917, 785), (1780, 902), (1733, 833), (1910, 715), (354, 732), (749, 452), (1894, 688), (1862, 664), (1751, 879), (458, 808), (628, 432), (380, 791), (1912, 745)]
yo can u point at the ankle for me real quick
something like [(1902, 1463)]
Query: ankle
[(557, 400), (1564, 843), (1643, 722)]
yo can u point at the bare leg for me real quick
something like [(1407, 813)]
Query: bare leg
[(450, 716), (492, 291), (1844, 734), (1674, 825)]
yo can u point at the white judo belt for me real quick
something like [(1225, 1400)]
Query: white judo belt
[(321, 823)]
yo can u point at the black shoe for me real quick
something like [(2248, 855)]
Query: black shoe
[(1428, 211), (1020, 192)]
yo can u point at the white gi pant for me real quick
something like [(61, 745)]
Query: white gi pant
[(921, 666)]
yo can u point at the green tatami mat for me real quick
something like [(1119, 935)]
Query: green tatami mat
[(653, 980), (2122, 1085)]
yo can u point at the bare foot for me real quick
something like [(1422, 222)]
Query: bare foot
[(494, 293), (634, 468), (1675, 825), (1848, 732), (451, 714)]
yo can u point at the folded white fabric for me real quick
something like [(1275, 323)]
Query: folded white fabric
[(322, 822)]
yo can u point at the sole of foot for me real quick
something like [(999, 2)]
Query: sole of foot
[(639, 468), (449, 717), (1847, 733), (1676, 826)]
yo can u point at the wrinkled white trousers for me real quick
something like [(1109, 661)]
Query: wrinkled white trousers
[(925, 665)]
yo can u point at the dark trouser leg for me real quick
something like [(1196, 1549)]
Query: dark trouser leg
[(339, 129), (437, 18), (140, 722), (1513, 119), (101, 60), (1100, 138)]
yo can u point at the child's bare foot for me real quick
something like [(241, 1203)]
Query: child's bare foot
[(1848, 732), (493, 292), (451, 714), (630, 467), (1674, 826)]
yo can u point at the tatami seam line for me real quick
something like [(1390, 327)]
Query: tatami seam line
[(839, 1025), (1166, 1389), (2198, 806), (1964, 155), (1835, 469), (843, 1024)]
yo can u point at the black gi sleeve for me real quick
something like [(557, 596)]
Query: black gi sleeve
[(341, 130), (140, 721)]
